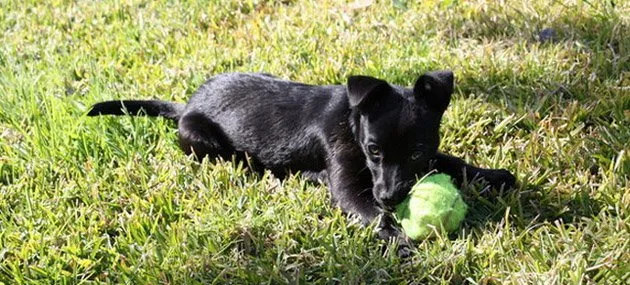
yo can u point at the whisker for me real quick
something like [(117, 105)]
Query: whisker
[(363, 191)]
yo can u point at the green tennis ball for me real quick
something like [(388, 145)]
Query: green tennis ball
[(434, 202)]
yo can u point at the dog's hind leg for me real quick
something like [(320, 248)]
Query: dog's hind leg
[(201, 137)]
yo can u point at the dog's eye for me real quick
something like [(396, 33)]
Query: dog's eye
[(374, 150)]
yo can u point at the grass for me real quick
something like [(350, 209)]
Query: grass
[(90, 200)]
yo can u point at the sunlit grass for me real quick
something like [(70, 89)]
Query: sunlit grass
[(114, 200)]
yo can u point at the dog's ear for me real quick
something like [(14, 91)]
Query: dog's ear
[(435, 88), (365, 89)]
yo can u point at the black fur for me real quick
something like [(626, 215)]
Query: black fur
[(152, 108), (368, 140)]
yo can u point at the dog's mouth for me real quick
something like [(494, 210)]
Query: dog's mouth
[(386, 208), (389, 202), (390, 205)]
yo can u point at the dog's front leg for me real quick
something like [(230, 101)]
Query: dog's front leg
[(460, 171), (351, 189)]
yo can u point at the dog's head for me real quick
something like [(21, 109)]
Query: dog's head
[(398, 129)]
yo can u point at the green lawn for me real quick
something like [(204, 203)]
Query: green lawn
[(114, 200)]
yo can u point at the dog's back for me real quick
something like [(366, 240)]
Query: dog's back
[(282, 124)]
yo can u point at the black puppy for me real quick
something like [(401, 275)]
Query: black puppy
[(368, 140)]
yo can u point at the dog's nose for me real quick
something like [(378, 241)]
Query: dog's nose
[(389, 199)]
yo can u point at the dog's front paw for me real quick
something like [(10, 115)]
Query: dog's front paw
[(405, 248), (398, 242), (389, 231), (499, 178)]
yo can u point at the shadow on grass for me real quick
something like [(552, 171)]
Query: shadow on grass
[(599, 28), (601, 37), (599, 40), (596, 37), (526, 205)]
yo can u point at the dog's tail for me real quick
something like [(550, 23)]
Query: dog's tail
[(153, 108)]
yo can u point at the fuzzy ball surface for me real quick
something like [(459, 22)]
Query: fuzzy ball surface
[(434, 202)]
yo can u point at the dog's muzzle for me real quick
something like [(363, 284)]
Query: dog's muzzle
[(389, 199)]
